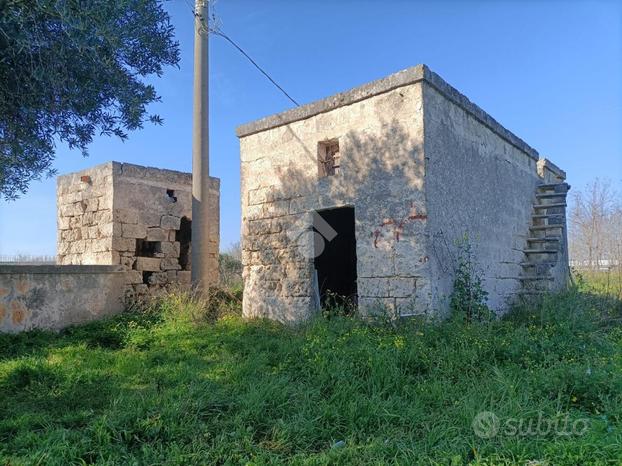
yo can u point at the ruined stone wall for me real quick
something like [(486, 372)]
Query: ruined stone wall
[(380, 174), (85, 224), (140, 218), (481, 182)]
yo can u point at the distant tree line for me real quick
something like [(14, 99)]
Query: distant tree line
[(595, 227)]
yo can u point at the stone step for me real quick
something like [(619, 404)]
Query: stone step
[(549, 195), (545, 216), (540, 251), (527, 278), (550, 186), (549, 206), (535, 264), (542, 240), (546, 227)]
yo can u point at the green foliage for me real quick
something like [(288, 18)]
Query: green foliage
[(336, 305), (606, 282), (163, 387), (72, 69), (468, 298), (230, 267)]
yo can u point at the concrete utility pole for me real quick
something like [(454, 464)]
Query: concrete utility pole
[(200, 150)]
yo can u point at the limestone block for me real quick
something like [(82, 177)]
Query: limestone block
[(184, 277), (104, 216), (109, 230), (77, 247), (101, 245), (275, 209), (170, 264), (67, 210), (123, 244), (92, 232), (408, 306), (157, 234), (259, 227), (170, 248), (148, 264), (79, 208), (125, 215), (134, 277), (373, 287), (259, 196), (75, 222), (72, 235), (128, 261), (171, 276), (384, 307), (149, 218), (130, 230), (91, 204), (69, 198), (63, 248), (375, 262), (170, 222), (401, 287), (87, 219)]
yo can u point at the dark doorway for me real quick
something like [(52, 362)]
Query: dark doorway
[(335, 250), (183, 235)]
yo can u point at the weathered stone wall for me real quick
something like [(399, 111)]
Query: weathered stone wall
[(481, 182), (53, 297), (422, 166), (380, 174), (136, 217), (84, 217)]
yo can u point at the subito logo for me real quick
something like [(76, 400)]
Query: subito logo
[(486, 424)]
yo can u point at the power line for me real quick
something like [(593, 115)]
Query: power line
[(216, 31), (226, 37)]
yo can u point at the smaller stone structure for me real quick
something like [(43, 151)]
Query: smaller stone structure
[(53, 297), (136, 217)]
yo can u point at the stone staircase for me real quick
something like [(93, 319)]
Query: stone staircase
[(543, 250)]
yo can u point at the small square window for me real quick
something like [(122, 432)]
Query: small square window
[(328, 158)]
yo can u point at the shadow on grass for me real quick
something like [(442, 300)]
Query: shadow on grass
[(238, 391)]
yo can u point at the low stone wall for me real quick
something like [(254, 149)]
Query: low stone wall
[(56, 296)]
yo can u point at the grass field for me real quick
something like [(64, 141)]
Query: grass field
[(169, 386)]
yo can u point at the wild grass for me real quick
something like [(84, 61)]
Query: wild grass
[(183, 383), (606, 282)]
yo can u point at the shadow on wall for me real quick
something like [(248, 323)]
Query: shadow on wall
[(381, 174)]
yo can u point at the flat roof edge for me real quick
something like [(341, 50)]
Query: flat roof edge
[(401, 78)]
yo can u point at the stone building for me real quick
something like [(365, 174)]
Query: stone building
[(133, 216), (366, 194)]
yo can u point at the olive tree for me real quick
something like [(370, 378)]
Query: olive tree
[(71, 70)]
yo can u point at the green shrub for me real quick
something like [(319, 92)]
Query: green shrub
[(468, 298)]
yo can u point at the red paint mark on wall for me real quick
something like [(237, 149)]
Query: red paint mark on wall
[(398, 225)]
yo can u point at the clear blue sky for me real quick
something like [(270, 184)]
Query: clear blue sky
[(551, 72)]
